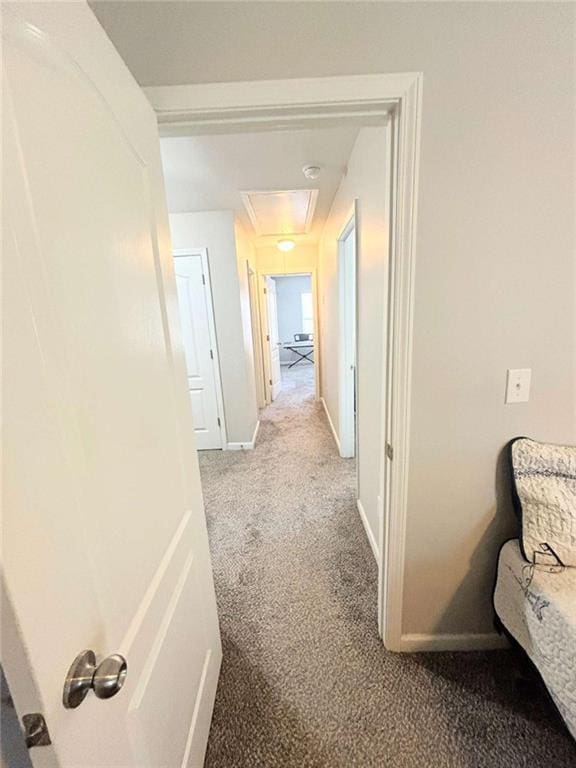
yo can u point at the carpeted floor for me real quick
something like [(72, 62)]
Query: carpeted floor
[(305, 680)]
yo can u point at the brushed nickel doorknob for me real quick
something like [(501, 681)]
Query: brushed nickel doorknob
[(105, 679)]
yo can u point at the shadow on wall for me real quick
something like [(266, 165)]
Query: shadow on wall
[(471, 605), (13, 751), (500, 524)]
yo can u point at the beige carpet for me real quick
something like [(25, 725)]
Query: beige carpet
[(305, 680)]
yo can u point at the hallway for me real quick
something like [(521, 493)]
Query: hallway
[(305, 680)]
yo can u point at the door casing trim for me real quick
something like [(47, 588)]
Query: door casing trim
[(307, 102)]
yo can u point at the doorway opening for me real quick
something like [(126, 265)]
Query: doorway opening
[(280, 106), (288, 319)]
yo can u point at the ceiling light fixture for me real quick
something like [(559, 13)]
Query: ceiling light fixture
[(285, 245), (311, 172)]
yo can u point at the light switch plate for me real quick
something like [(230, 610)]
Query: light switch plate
[(518, 385)]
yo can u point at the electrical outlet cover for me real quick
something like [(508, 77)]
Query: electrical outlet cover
[(518, 385)]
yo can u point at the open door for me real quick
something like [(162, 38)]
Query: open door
[(252, 278), (104, 538), (347, 338), (272, 342)]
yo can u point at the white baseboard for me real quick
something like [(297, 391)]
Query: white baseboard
[(245, 446), (488, 641), (369, 534), (326, 411)]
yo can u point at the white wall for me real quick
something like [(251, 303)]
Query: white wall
[(304, 258), (214, 230), (495, 266), (289, 291), (365, 180)]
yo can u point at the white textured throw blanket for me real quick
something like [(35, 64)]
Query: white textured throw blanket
[(538, 608), (545, 498)]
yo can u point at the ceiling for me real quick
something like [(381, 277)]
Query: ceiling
[(205, 173)]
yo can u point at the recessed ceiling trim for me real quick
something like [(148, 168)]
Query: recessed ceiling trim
[(251, 197)]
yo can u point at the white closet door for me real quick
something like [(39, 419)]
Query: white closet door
[(196, 317)]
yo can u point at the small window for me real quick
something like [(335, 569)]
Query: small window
[(307, 315)]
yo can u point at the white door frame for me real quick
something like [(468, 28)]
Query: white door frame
[(203, 253), (307, 102), (347, 356), (265, 336), (286, 272), (256, 335)]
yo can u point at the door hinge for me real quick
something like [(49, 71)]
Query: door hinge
[(203, 280), (267, 337), (211, 355), (389, 451), (35, 730), (270, 380), (218, 420), (265, 291)]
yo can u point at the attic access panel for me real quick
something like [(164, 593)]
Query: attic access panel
[(283, 212)]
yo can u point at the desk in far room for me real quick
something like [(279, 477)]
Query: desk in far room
[(298, 348)]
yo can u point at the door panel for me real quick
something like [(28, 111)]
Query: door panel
[(164, 733), (275, 370), (105, 544), (195, 314), (348, 405), (199, 414)]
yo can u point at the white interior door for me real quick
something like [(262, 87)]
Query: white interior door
[(347, 280), (256, 337), (104, 537), (273, 339), (199, 337)]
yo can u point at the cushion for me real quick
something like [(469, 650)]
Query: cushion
[(544, 492)]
